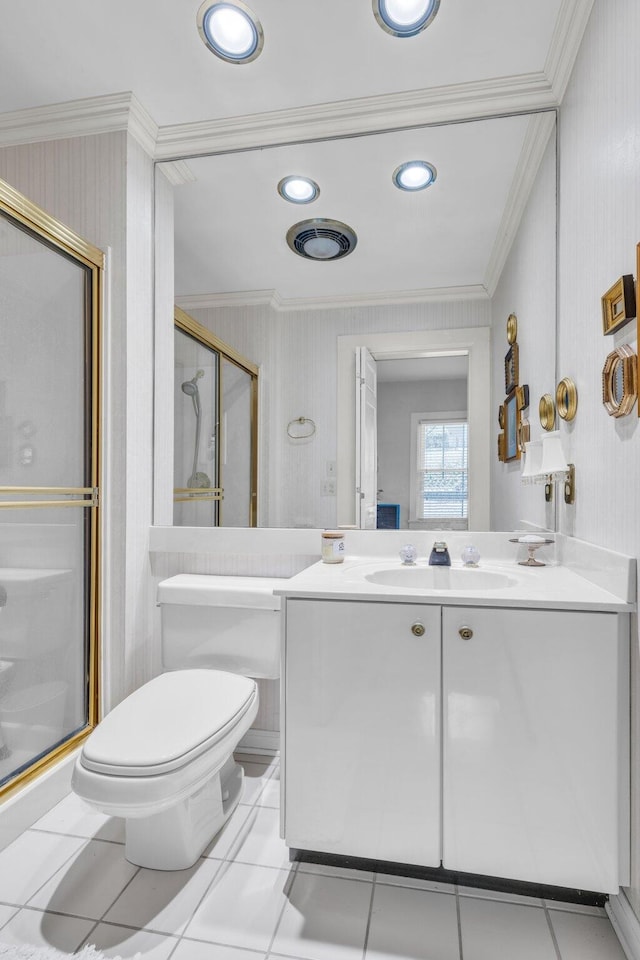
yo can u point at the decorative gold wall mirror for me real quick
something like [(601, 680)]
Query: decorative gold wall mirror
[(512, 328), (620, 381), (566, 399), (547, 412)]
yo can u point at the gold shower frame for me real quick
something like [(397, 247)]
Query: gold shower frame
[(15, 206)]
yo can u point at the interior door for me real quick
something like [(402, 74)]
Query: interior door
[(366, 439)]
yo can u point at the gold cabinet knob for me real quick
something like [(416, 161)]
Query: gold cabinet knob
[(466, 633), (417, 629)]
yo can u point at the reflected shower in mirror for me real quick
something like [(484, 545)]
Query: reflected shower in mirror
[(479, 243)]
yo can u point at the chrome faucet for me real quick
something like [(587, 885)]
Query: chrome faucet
[(440, 555)]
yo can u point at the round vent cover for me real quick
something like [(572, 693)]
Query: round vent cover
[(321, 239)]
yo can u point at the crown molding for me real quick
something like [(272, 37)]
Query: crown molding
[(272, 298), (464, 101), (539, 129), (178, 172), (81, 118), (565, 43)]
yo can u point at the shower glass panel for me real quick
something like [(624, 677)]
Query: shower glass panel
[(50, 282), (215, 430)]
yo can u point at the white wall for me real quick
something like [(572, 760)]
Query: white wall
[(396, 403), (297, 355), (598, 230)]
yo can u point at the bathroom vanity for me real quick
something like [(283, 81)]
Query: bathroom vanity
[(474, 719)]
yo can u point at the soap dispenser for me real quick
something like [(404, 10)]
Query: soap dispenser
[(440, 555)]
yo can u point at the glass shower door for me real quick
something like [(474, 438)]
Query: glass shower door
[(49, 298)]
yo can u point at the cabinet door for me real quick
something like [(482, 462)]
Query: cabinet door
[(535, 744), (362, 730)]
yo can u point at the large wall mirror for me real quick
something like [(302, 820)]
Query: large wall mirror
[(430, 273)]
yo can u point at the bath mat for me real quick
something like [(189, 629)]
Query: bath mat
[(27, 951)]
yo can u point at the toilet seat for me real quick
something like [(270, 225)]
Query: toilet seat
[(116, 775), (168, 722)]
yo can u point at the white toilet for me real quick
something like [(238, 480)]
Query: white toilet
[(163, 758)]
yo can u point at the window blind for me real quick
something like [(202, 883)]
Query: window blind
[(442, 464)]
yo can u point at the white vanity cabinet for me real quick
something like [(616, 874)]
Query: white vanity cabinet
[(535, 744), (495, 742), (362, 729)]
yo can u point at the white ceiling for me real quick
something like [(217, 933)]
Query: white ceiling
[(447, 367), (327, 70)]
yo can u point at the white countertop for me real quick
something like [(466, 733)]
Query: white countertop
[(551, 587)]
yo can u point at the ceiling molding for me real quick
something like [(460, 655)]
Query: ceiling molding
[(456, 102), (565, 43), (539, 129), (178, 172), (273, 299), (80, 118)]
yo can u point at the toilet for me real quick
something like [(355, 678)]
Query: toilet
[(163, 758)]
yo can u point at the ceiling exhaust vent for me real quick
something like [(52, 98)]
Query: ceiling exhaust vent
[(321, 239)]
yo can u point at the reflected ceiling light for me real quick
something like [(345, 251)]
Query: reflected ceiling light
[(405, 18), (321, 239), (230, 30), (298, 189), (414, 175)]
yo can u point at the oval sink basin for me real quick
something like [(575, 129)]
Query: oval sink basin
[(440, 578)]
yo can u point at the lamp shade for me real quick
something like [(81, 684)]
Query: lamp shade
[(531, 472), (554, 463)]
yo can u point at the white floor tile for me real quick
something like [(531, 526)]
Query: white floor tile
[(270, 796), (575, 908), (256, 777), (493, 929), (74, 817), (6, 913), (28, 862), (46, 930), (197, 950), (163, 900), (258, 840), (583, 937), (409, 924), (222, 843), (436, 886), (242, 906), (88, 883), (324, 919), (121, 942), (481, 894)]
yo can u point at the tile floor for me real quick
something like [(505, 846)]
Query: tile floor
[(65, 883)]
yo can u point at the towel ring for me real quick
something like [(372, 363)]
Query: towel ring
[(302, 421)]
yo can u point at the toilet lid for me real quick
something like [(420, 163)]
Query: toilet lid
[(167, 722)]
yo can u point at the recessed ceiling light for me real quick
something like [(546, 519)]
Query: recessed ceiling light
[(405, 18), (414, 175), (230, 30), (298, 189), (321, 239)]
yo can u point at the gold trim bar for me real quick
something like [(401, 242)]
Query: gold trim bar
[(63, 491), (26, 504)]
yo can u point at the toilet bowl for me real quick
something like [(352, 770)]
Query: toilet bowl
[(163, 758)]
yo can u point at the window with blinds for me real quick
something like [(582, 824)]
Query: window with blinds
[(442, 470)]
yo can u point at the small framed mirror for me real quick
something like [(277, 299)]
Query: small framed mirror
[(620, 381), (547, 412), (566, 399)]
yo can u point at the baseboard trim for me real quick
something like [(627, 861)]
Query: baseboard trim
[(262, 742), (625, 924)]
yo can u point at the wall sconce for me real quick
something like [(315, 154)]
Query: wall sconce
[(545, 462), (554, 466)]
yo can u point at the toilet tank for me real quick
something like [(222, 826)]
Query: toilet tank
[(228, 623)]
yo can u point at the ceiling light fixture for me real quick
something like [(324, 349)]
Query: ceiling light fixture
[(298, 189), (405, 18), (230, 30), (414, 175), (321, 239)]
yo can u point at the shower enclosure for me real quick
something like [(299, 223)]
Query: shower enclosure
[(50, 292), (215, 430)]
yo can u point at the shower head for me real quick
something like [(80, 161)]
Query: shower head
[(190, 388)]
